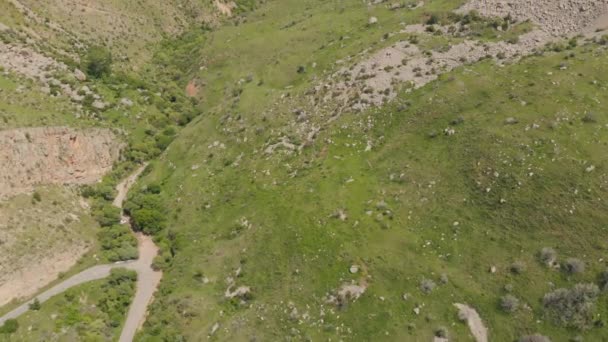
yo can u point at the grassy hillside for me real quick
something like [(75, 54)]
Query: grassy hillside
[(281, 215), (523, 170), (130, 29)]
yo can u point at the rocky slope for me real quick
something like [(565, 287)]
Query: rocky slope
[(54, 155)]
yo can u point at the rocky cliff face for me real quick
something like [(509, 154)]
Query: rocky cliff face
[(54, 155)]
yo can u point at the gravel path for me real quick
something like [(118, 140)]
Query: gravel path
[(147, 278)]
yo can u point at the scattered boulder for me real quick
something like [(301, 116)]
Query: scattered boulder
[(81, 76)]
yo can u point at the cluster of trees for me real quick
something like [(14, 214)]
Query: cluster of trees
[(148, 215), (147, 210), (118, 291), (117, 242)]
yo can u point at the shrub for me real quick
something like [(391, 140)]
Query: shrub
[(603, 280), (441, 332), (433, 19), (535, 338), (427, 285), (117, 293), (589, 118), (548, 255), (574, 266), (572, 307), (36, 197), (98, 62), (117, 243), (10, 326), (147, 212), (509, 303), (107, 215), (517, 267), (35, 305)]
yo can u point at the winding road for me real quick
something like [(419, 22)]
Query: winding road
[(147, 278)]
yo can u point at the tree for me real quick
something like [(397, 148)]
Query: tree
[(10, 326), (35, 305), (98, 62)]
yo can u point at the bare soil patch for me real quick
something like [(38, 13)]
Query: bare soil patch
[(192, 88)]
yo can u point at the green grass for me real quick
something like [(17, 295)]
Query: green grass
[(419, 205), (294, 251)]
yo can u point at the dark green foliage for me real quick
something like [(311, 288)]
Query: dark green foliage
[(118, 243), (603, 280), (118, 291), (572, 307), (433, 19), (36, 197), (98, 62), (35, 305), (9, 327), (147, 211), (106, 214)]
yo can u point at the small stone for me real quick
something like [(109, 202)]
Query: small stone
[(372, 20), (80, 75), (492, 269), (215, 327), (590, 168), (354, 269), (126, 102), (99, 104), (511, 121)]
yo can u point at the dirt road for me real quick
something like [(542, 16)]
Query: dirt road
[(147, 278)]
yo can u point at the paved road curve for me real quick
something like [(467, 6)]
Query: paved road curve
[(147, 278)]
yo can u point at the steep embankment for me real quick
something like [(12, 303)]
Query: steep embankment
[(45, 235), (54, 155)]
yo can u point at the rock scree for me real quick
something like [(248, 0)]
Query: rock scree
[(54, 155)]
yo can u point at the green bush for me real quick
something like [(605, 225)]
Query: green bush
[(106, 215), (98, 62), (147, 211), (35, 305), (118, 243), (118, 291), (572, 307), (10, 326)]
